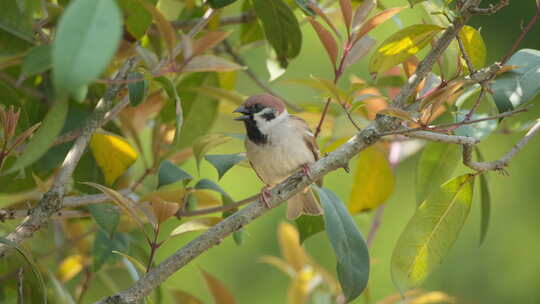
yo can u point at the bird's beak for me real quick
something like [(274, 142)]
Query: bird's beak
[(243, 110)]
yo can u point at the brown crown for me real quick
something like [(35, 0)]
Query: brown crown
[(265, 100)]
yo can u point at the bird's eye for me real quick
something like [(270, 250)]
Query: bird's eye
[(258, 108)]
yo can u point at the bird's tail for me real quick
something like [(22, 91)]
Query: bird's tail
[(303, 203)]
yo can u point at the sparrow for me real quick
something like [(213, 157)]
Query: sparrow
[(277, 145)]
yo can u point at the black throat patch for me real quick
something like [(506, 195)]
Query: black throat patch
[(253, 132)]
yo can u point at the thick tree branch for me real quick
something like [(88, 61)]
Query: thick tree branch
[(452, 139), (503, 162), (53, 199)]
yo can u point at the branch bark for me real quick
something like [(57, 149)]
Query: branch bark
[(52, 201)]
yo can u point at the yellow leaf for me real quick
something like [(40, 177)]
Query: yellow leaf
[(219, 292), (289, 242), (433, 297), (302, 285), (113, 154), (70, 267), (402, 45), (474, 46), (195, 225), (373, 181)]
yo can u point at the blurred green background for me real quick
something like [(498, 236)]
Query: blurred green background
[(505, 269)]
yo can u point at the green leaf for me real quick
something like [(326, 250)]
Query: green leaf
[(44, 137), (224, 162), (87, 37), (436, 165), (250, 31), (220, 3), (520, 85), (485, 199), (87, 170), (204, 144), (474, 46), (349, 245), (136, 17), (479, 130), (199, 111), (137, 90), (38, 60), (31, 262), (402, 45), (309, 225), (106, 216), (171, 91), (16, 20), (104, 246), (170, 173), (280, 27), (431, 232)]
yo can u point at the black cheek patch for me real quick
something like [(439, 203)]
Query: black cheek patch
[(268, 116)]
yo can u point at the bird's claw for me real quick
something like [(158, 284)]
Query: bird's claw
[(264, 196), (306, 170)]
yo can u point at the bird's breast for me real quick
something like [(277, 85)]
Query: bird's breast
[(279, 158)]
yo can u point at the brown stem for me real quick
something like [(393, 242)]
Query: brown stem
[(153, 248)]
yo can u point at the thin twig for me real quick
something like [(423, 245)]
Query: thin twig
[(503, 162), (448, 125), (223, 208)]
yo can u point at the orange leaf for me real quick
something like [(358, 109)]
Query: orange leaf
[(346, 11), (320, 13), (219, 292), (208, 41), (327, 40), (376, 20)]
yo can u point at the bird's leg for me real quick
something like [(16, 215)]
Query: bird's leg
[(264, 196), (307, 171)]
